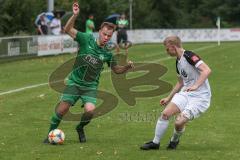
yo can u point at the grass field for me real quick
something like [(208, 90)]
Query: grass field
[(24, 115)]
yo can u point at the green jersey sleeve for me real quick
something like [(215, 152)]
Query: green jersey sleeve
[(81, 38)]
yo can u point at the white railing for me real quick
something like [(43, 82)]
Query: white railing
[(187, 35), (36, 45), (51, 45)]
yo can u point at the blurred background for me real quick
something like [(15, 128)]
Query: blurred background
[(17, 17)]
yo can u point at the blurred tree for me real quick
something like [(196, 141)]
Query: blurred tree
[(99, 10), (18, 16)]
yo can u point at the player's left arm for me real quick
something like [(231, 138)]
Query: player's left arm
[(69, 27), (122, 69), (205, 71)]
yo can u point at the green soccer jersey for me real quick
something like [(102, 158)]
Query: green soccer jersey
[(89, 62), (122, 23), (89, 22)]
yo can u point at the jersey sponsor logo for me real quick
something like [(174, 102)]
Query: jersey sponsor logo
[(194, 58), (183, 73), (91, 59)]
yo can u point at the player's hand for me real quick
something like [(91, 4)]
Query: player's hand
[(130, 65), (164, 101), (191, 88), (75, 8)]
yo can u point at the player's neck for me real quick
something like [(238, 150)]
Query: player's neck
[(180, 52), (99, 44)]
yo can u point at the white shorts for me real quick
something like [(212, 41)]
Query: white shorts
[(191, 106)]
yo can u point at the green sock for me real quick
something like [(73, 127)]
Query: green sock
[(55, 121), (85, 119)]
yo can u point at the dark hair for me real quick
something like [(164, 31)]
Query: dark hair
[(123, 14)]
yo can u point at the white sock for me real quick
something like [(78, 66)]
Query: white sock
[(176, 135), (160, 129)]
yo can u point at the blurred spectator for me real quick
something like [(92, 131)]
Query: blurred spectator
[(49, 17), (42, 27), (90, 24), (42, 22), (55, 25), (122, 24)]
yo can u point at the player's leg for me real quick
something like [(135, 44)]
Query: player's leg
[(194, 108), (179, 129), (125, 43), (124, 38), (88, 114), (163, 121), (61, 109), (85, 119), (161, 126), (68, 99), (89, 102), (118, 42)]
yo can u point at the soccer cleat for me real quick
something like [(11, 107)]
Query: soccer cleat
[(149, 145), (172, 145), (46, 141), (81, 135)]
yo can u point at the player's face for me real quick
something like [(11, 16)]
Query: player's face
[(91, 17), (105, 35), (171, 49)]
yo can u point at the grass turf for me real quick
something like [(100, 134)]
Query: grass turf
[(117, 135)]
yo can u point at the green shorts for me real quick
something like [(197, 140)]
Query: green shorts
[(73, 93)]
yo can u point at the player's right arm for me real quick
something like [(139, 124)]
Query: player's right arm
[(69, 27), (175, 90)]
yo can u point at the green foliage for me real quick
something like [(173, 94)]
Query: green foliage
[(18, 16)]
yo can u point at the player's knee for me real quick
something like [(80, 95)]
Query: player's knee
[(179, 125), (164, 116), (180, 122), (63, 111), (63, 108), (90, 110), (89, 107)]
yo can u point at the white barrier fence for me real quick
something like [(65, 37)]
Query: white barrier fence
[(51, 45), (187, 35), (37, 45)]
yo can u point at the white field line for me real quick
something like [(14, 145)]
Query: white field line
[(105, 71), (23, 88)]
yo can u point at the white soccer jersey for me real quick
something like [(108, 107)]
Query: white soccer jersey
[(187, 69), (57, 30)]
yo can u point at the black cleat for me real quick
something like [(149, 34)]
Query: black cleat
[(172, 145), (81, 135), (46, 141), (149, 145)]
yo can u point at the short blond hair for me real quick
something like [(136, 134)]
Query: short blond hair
[(173, 40)]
